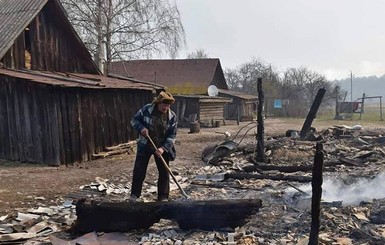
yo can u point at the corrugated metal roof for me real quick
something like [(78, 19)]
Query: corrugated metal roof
[(15, 15), (236, 94), (79, 80), (180, 76)]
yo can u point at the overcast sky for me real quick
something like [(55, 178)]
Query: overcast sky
[(332, 37)]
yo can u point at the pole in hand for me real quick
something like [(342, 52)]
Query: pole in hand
[(168, 169)]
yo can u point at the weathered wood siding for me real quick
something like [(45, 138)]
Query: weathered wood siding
[(53, 125), (186, 109), (209, 113), (207, 110), (52, 46), (242, 110)]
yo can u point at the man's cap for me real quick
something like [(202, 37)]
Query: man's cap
[(164, 97)]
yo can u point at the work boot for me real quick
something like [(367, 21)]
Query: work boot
[(133, 198)]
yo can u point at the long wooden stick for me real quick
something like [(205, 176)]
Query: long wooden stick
[(168, 169)]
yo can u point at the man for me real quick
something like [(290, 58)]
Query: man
[(158, 122)]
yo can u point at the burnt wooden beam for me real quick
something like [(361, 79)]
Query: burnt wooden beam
[(317, 194), (259, 167), (260, 154), (312, 113), (286, 169), (329, 166), (242, 175), (125, 216)]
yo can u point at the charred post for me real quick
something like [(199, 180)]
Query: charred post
[(312, 113), (260, 157), (317, 194)]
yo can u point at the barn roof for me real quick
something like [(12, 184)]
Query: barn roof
[(16, 15), (235, 94), (80, 80), (180, 76)]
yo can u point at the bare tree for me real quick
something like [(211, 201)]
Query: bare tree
[(244, 78), (198, 54), (127, 29), (300, 86)]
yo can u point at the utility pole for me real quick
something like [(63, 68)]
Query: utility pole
[(351, 95)]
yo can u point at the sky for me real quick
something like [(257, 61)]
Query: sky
[(331, 37)]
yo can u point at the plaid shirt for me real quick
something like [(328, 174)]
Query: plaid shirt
[(142, 119)]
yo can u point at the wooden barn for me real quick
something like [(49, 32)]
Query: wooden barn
[(243, 106), (56, 107), (208, 110), (188, 80)]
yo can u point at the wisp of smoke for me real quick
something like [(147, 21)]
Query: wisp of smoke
[(362, 189)]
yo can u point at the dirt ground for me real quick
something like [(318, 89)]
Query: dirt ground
[(24, 186)]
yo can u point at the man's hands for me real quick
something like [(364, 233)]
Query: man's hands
[(159, 152), (144, 132)]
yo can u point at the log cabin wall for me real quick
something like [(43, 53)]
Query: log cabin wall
[(53, 125), (186, 110), (50, 44), (210, 112), (243, 110)]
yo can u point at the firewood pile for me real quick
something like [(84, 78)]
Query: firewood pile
[(352, 207), (125, 148)]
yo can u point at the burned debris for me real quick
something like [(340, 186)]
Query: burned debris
[(354, 156), (352, 161)]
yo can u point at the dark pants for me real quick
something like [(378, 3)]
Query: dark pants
[(140, 169)]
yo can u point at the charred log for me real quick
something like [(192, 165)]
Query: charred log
[(259, 167), (240, 175), (124, 216), (211, 214), (115, 217)]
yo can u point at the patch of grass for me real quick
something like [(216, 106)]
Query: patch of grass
[(370, 115)]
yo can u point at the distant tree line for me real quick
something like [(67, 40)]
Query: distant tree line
[(296, 88)]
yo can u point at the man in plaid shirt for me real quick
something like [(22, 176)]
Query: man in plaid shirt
[(159, 122)]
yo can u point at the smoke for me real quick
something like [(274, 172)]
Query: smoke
[(351, 191), (363, 189)]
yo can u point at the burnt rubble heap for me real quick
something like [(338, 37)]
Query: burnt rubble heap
[(352, 207)]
